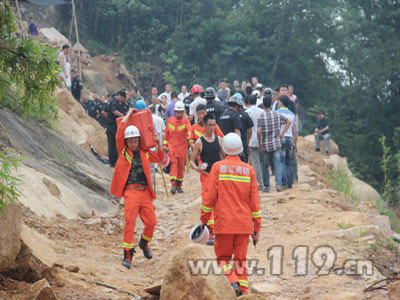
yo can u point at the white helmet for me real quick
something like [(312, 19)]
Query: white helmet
[(232, 144), (256, 93), (199, 236), (179, 106), (131, 131)]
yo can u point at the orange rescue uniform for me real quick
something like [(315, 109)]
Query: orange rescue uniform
[(197, 131), (137, 201), (176, 139), (232, 194)]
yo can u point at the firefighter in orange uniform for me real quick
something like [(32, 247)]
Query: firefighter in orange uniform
[(132, 180), (233, 195), (198, 129), (176, 140)]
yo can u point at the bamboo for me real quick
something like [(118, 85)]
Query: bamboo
[(163, 178), (20, 20), (77, 38)]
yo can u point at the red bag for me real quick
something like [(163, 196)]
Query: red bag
[(143, 120)]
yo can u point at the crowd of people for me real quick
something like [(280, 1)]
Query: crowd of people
[(233, 137)]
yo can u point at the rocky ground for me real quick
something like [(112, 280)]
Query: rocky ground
[(316, 229)]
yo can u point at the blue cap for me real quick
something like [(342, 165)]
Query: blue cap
[(140, 105), (238, 95)]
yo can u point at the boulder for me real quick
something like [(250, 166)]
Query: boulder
[(383, 222), (10, 241), (180, 283), (54, 37), (41, 290), (362, 190), (94, 82), (333, 148), (394, 290)]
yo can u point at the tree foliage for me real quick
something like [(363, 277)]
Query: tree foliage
[(27, 71)]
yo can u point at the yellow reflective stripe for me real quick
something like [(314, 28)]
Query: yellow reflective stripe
[(147, 155), (165, 142), (256, 214), (179, 179), (171, 126), (127, 156), (149, 239), (227, 267), (172, 178), (182, 127), (231, 177), (128, 246), (191, 141), (243, 282), (210, 222), (198, 133), (206, 209)]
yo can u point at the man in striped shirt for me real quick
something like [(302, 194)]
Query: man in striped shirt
[(269, 136)]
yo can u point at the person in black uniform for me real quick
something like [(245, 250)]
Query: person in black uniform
[(187, 101), (101, 107), (76, 86), (229, 120), (246, 132), (117, 108), (212, 106)]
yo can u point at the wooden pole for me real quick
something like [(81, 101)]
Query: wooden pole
[(163, 178), (20, 20), (77, 38)]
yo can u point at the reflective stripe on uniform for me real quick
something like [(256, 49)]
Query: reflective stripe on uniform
[(210, 222), (206, 209), (147, 155), (198, 133), (181, 127), (165, 142), (256, 214), (172, 178), (127, 246), (171, 126), (231, 177), (243, 282), (227, 267), (127, 156), (146, 238)]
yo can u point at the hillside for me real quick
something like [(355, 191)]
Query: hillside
[(73, 228)]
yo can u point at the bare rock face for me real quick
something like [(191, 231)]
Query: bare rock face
[(394, 290), (41, 290), (180, 284), (333, 148), (10, 241)]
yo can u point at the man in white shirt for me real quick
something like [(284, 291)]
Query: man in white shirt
[(254, 112), (184, 93), (167, 93), (196, 91)]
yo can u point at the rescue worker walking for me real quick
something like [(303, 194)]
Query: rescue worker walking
[(233, 196), (230, 120), (198, 129), (132, 180), (176, 140), (209, 149)]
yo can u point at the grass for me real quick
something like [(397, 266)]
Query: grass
[(345, 226), (386, 210), (341, 182), (60, 155)]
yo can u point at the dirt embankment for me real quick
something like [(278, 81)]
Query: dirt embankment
[(311, 223)]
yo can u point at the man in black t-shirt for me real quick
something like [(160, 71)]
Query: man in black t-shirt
[(117, 108), (230, 120), (76, 86), (322, 132)]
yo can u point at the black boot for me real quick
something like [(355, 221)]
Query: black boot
[(238, 291), (143, 244), (180, 187), (128, 254), (173, 190)]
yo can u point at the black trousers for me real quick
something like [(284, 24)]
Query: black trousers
[(112, 147)]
